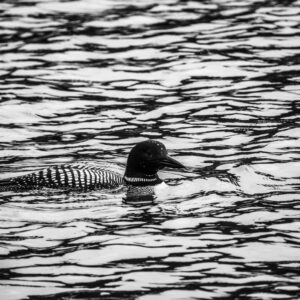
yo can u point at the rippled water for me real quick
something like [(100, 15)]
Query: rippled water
[(218, 82)]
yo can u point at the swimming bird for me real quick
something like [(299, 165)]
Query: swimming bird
[(144, 161)]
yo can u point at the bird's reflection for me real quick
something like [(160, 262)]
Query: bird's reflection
[(139, 201)]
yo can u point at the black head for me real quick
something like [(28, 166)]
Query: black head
[(146, 158)]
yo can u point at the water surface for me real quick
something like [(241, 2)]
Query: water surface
[(218, 83)]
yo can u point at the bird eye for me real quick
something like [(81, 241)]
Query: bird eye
[(148, 154)]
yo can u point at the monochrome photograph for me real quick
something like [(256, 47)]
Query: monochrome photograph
[(150, 149)]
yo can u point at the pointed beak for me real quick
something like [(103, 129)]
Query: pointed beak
[(170, 163)]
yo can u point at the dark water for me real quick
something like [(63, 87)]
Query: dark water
[(218, 82)]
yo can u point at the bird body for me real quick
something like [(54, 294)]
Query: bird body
[(70, 176), (141, 178)]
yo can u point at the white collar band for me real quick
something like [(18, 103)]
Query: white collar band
[(139, 179)]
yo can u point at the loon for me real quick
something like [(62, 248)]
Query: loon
[(144, 161)]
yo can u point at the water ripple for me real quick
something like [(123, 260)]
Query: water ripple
[(218, 83)]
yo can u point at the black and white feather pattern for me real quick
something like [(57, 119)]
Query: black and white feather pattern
[(72, 176)]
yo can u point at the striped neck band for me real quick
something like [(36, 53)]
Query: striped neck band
[(139, 179)]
